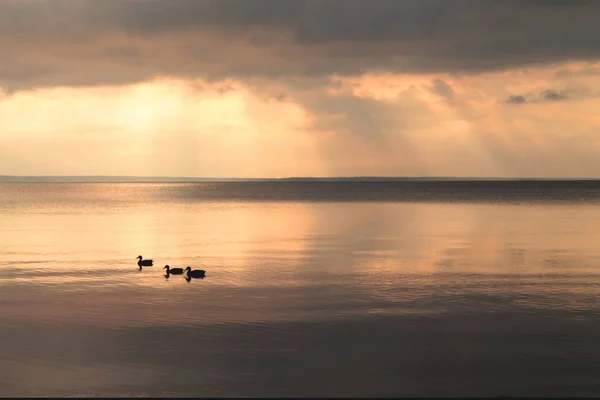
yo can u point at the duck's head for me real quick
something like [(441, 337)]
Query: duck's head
[(188, 268), (166, 267), (140, 257)]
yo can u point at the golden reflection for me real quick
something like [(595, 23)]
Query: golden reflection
[(226, 239), (262, 258), (484, 248)]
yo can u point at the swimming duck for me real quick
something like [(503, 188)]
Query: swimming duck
[(144, 263), (197, 273), (173, 271)]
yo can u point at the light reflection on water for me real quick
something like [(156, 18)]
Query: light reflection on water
[(301, 298)]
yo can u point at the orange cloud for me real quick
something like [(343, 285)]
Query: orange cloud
[(376, 124)]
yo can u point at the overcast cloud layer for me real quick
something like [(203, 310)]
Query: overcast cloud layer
[(85, 42), (253, 88)]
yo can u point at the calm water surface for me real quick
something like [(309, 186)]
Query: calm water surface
[(307, 294)]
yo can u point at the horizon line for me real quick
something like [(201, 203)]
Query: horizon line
[(216, 179)]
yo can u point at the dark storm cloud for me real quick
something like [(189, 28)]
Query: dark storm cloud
[(66, 42)]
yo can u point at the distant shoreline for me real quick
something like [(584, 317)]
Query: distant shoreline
[(141, 179)]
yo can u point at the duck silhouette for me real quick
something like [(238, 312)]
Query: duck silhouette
[(173, 271), (197, 273), (144, 263)]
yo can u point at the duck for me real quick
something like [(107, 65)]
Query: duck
[(197, 273), (144, 263), (173, 271)]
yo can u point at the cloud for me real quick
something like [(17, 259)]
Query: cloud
[(516, 99), (585, 71), (370, 125), (548, 95), (444, 90), (553, 95), (379, 87), (80, 42)]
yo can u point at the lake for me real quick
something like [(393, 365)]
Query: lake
[(311, 289)]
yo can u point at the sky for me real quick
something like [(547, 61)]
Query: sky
[(272, 88)]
